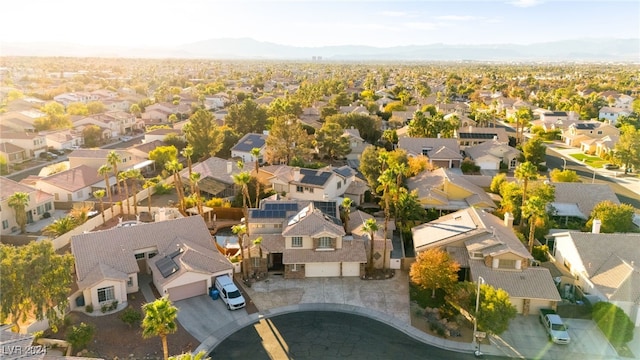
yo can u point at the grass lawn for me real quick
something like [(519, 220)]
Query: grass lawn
[(593, 161)]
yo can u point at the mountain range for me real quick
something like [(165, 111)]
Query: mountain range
[(589, 50)]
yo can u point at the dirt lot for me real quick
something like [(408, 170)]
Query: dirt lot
[(114, 338)]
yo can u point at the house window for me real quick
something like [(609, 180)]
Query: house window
[(324, 242), (308, 189), (106, 294), (294, 267), (476, 255), (5, 224), (57, 196), (48, 206), (152, 254), (512, 163), (296, 241), (277, 226), (339, 184), (140, 256), (130, 282), (506, 264), (256, 262), (299, 189), (69, 198)]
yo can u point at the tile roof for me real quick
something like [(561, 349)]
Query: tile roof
[(493, 148), (415, 146), (351, 251), (111, 252), (9, 187), (433, 183), (74, 179), (215, 168), (585, 195), (250, 141), (310, 221), (529, 283)]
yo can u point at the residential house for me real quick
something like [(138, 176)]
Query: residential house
[(440, 151), (214, 102), (13, 154), (157, 113), (75, 184), (353, 109), (552, 116), (306, 239), (492, 154), (618, 100), (311, 116), (577, 200), (94, 158), (21, 121), (117, 122), (444, 190), (471, 135), (40, 203), (242, 149), (32, 143), (606, 267), (611, 114), (487, 247), (381, 258), (606, 145), (64, 139), (356, 143), (216, 176), (75, 97), (581, 131), (179, 255), (161, 134), (308, 184)]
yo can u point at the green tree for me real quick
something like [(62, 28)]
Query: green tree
[(255, 153), (35, 282), (202, 355), (284, 106), (246, 117), (524, 173), (95, 107), (557, 175), (174, 168), (614, 218), (429, 125), (242, 180), (330, 142), (495, 310), (187, 152), (81, 335), (123, 176), (408, 206), (135, 110), (134, 175), (345, 208), (496, 183), (160, 320), (194, 180), (77, 108), (287, 139), (523, 117), (627, 149), (99, 194), (92, 136), (19, 201), (534, 151), (371, 227), (613, 322), (434, 269), (203, 134), (113, 159), (163, 154), (175, 140), (535, 209), (368, 126)]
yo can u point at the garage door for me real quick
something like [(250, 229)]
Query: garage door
[(322, 269), (188, 290), (350, 269)]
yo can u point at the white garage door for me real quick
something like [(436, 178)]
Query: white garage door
[(188, 290), (488, 165), (322, 269), (350, 269)]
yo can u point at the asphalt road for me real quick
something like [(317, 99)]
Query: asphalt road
[(626, 196), (327, 335)]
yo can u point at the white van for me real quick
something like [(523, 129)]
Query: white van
[(229, 292)]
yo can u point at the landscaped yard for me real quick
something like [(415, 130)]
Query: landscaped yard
[(593, 161)]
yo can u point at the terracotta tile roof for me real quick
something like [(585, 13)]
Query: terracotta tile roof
[(74, 179), (351, 251), (530, 283), (115, 248), (9, 187), (272, 243)]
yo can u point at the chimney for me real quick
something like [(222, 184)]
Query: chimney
[(595, 228), (470, 128), (508, 219), (296, 174), (229, 167)]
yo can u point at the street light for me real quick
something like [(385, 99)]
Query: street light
[(564, 165), (476, 335)]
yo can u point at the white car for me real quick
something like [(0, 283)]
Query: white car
[(229, 292)]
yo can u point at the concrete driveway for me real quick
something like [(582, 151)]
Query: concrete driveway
[(201, 316), (527, 338)]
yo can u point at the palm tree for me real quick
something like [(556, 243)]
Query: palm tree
[(60, 226), (346, 213), (123, 177), (114, 159), (99, 194), (160, 320), (19, 202), (525, 172), (174, 167), (149, 184), (135, 175), (387, 181), (194, 179), (202, 355), (370, 226), (104, 170), (241, 230), (243, 179), (535, 209), (187, 152), (255, 152)]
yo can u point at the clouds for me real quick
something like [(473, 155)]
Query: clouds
[(525, 3)]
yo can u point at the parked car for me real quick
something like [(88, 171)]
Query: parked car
[(611, 166), (47, 155), (125, 138), (229, 292), (555, 327)]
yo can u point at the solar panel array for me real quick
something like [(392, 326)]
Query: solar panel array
[(167, 266), (286, 206), (314, 177), (345, 172), (477, 136), (267, 214), (327, 207)]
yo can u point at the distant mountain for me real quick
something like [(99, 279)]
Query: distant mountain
[(246, 48)]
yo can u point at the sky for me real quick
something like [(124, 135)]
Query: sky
[(382, 23)]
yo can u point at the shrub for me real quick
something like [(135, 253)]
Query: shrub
[(613, 322), (88, 308), (81, 335), (104, 308), (46, 215), (114, 305), (468, 166), (131, 316), (161, 189), (540, 252)]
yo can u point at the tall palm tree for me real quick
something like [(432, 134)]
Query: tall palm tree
[(122, 176), (535, 209), (104, 170), (255, 152), (346, 213), (525, 172), (194, 179), (370, 226), (243, 179), (241, 230), (160, 320), (174, 167), (19, 201), (114, 159), (149, 184), (187, 152), (387, 181), (135, 175), (99, 194)]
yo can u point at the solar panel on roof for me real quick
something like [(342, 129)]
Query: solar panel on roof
[(167, 266), (313, 177), (477, 136), (326, 207)]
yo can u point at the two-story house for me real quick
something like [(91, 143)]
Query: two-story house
[(64, 139), (581, 131), (611, 114), (242, 149), (117, 122), (308, 184), (492, 154), (40, 203), (216, 176), (440, 151), (471, 135), (75, 184), (487, 247), (32, 143)]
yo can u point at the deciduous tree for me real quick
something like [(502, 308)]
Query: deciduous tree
[(246, 117), (558, 175), (331, 142), (203, 134), (287, 139), (163, 154), (614, 217), (434, 269), (534, 151)]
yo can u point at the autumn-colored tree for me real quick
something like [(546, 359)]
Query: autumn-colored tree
[(434, 269), (558, 175)]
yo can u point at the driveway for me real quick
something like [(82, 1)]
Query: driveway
[(201, 316), (526, 338)]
